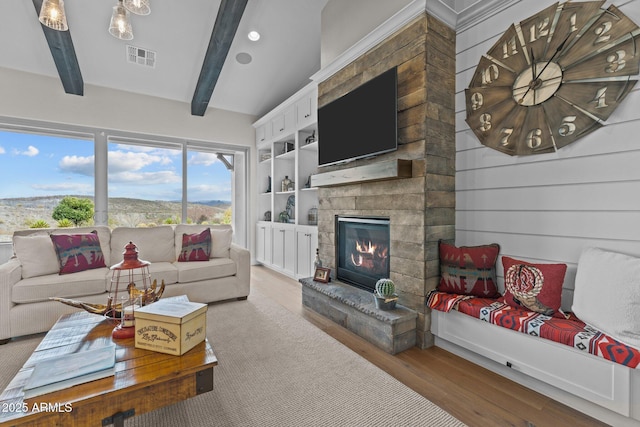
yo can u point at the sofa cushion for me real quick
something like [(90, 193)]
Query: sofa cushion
[(158, 271), (195, 247), (78, 252), (221, 242), (36, 254), (469, 270), (155, 244), (77, 285), (212, 269), (221, 237), (535, 287), (607, 294)]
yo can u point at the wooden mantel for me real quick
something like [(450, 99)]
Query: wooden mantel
[(391, 169)]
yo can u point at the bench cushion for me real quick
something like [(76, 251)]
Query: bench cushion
[(212, 269), (569, 331), (77, 285), (607, 293)]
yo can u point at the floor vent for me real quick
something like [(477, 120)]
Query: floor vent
[(140, 56)]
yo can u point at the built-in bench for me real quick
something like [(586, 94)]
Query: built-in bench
[(585, 355), (354, 309)]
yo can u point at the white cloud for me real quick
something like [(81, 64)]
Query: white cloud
[(209, 192), (77, 164), (206, 159), (120, 161), (30, 152), (65, 187), (2, 150), (145, 178), (209, 188)]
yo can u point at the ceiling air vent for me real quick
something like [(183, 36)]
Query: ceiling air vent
[(140, 56)]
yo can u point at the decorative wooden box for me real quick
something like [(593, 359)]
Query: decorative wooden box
[(171, 326)]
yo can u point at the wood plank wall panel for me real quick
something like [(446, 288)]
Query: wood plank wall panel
[(547, 208), (421, 209)]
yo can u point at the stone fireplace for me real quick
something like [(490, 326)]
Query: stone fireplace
[(420, 207)]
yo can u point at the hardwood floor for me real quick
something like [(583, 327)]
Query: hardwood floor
[(474, 395)]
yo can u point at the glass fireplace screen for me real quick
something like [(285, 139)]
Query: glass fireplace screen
[(362, 250)]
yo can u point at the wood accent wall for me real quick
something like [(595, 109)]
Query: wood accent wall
[(421, 209)]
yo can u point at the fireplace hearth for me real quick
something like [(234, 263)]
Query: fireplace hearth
[(362, 250)]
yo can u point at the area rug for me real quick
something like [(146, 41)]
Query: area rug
[(277, 369)]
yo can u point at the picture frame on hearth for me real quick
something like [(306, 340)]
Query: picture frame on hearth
[(322, 275)]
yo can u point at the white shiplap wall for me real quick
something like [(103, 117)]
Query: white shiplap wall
[(547, 208)]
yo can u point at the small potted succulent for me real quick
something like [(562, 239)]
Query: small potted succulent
[(384, 295)]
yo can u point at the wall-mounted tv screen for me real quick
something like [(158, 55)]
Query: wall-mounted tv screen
[(361, 123)]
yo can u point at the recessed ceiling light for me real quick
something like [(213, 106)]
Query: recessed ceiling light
[(254, 36), (243, 58)]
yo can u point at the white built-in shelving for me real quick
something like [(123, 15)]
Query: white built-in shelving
[(287, 146)]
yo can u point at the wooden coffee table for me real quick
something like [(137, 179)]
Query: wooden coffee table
[(144, 380)]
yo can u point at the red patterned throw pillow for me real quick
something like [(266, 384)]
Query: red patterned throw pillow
[(469, 270), (536, 287), (78, 252), (196, 247)]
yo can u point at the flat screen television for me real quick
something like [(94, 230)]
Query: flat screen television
[(362, 123)]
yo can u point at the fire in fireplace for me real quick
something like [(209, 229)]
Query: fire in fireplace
[(362, 250)]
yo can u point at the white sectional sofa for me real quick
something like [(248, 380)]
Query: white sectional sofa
[(31, 276)]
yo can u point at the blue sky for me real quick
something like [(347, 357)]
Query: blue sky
[(35, 165)]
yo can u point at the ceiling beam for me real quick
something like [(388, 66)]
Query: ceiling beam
[(64, 56), (224, 29)]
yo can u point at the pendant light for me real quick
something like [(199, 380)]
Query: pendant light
[(53, 16), (139, 7), (120, 26)]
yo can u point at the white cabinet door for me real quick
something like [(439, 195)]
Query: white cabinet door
[(263, 133), (277, 254), (263, 243), (284, 248), (307, 241), (290, 251), (307, 110), (283, 124)]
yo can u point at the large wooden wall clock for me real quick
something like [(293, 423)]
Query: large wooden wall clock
[(553, 78)]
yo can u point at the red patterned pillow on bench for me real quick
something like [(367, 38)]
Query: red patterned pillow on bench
[(469, 270), (535, 287)]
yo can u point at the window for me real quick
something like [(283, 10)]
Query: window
[(131, 179), (37, 171), (209, 187), (145, 184)]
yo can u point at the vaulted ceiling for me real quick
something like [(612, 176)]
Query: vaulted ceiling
[(189, 65)]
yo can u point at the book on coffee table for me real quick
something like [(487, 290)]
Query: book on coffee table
[(61, 372)]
